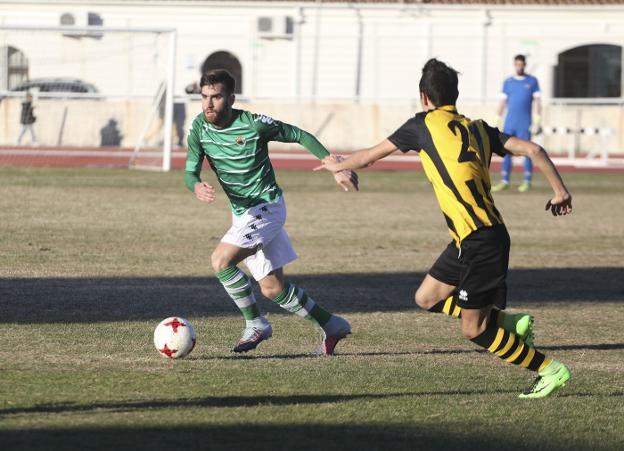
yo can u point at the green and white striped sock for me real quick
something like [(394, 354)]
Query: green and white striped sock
[(238, 286), (296, 301)]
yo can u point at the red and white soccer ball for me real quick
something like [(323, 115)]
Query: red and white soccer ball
[(174, 337)]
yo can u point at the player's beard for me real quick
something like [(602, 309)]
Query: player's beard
[(212, 116), (216, 118)]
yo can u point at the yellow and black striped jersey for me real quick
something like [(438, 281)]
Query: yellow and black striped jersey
[(456, 153)]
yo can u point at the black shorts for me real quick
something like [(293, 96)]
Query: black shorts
[(478, 269)]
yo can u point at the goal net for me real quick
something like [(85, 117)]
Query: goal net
[(97, 93)]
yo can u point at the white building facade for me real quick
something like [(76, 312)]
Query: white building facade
[(310, 55)]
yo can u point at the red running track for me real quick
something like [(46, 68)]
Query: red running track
[(282, 159)]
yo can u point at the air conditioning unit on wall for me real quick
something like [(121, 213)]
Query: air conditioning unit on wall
[(275, 27), (81, 20)]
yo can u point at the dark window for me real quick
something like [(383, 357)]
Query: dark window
[(290, 25), (227, 61), (16, 67), (589, 71)]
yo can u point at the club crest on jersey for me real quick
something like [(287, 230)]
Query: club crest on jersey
[(241, 140)]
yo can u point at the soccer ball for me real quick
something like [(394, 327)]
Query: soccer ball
[(174, 337)]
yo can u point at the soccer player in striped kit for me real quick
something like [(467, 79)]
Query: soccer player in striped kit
[(469, 278), (235, 144)]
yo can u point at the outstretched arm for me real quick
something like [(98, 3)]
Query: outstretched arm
[(561, 203), (345, 179), (359, 159), (280, 131)]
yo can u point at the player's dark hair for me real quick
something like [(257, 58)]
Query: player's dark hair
[(439, 83), (216, 76), (520, 58)]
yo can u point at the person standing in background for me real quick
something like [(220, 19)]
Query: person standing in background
[(521, 98), (27, 119)]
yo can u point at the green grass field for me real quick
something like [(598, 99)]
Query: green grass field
[(92, 259)]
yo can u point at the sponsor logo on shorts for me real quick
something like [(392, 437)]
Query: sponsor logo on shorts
[(463, 295)]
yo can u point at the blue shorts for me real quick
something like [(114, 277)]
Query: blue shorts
[(522, 133)]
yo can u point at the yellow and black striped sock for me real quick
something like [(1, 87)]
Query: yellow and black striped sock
[(448, 307), (510, 348)]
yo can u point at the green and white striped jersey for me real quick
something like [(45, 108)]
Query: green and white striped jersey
[(239, 155)]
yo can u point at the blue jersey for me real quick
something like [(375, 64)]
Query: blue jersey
[(519, 92)]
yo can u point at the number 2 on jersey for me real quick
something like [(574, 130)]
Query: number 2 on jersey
[(465, 154)]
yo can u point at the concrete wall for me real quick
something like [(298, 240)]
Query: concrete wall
[(339, 125), (75, 122), (361, 63), (383, 46)]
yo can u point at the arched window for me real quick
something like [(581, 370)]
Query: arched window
[(589, 71), (227, 61), (16, 66)]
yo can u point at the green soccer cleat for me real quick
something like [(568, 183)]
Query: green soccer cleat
[(548, 381), (502, 186), (526, 186)]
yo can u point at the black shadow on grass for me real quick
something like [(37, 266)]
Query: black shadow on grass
[(349, 354), (232, 401), (588, 347), (50, 300), (616, 394), (432, 435), (252, 401)]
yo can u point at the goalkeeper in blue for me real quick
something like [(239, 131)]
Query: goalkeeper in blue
[(235, 144)]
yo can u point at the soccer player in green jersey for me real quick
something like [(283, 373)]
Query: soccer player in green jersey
[(469, 278), (234, 142)]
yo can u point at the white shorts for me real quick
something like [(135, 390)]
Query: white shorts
[(262, 226)]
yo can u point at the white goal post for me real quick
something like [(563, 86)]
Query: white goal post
[(99, 88)]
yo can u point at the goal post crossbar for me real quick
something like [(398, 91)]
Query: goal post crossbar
[(168, 52)]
